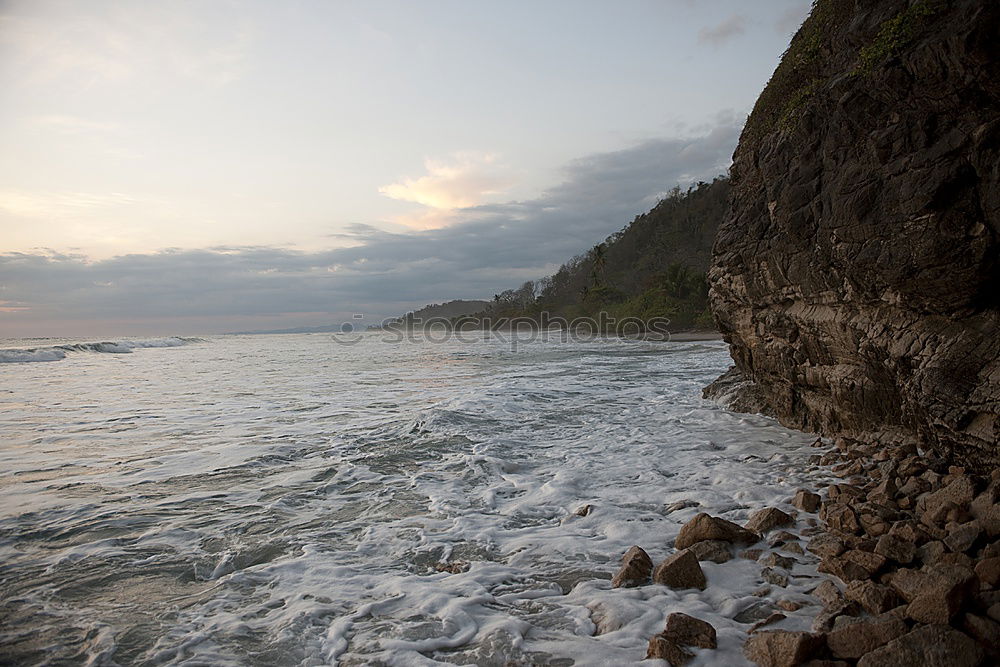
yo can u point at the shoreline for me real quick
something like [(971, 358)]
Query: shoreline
[(903, 547)]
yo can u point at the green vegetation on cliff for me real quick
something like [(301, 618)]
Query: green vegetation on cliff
[(654, 267)]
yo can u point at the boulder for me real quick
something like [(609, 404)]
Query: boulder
[(986, 631), (826, 545), (635, 570), (961, 537), (873, 598), (663, 649), (988, 571), (706, 527), (862, 636), (768, 519), (828, 592), (807, 501), (940, 594), (681, 570), (929, 646), (827, 618), (896, 548), (686, 630), (716, 551), (782, 648)]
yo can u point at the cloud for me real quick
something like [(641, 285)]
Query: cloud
[(487, 248), (728, 29), (465, 179)]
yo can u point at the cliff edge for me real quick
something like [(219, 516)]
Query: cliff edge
[(856, 277)]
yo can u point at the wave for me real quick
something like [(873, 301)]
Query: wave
[(58, 352)]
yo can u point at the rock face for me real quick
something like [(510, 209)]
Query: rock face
[(856, 274)]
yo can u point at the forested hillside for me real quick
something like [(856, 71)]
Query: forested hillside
[(654, 267)]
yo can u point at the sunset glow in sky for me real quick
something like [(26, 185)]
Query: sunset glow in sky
[(187, 167)]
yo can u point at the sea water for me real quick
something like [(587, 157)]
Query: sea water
[(287, 499)]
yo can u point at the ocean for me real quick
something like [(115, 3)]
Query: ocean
[(293, 500)]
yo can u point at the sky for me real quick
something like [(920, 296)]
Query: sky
[(173, 167)]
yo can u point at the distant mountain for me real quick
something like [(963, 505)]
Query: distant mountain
[(326, 328)]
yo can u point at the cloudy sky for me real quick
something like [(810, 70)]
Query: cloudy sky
[(213, 165)]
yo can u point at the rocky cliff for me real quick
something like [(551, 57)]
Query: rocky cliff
[(856, 277)]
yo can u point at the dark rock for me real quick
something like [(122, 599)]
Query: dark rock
[(777, 560), (931, 552), (874, 598), (962, 537), (773, 618), (716, 551), (705, 527), (855, 274), (686, 630), (828, 592), (827, 618), (940, 594), (988, 571), (853, 565), (929, 645), (781, 648), (662, 648), (774, 578), (826, 545), (986, 631), (896, 549), (768, 519), (805, 500), (635, 570), (681, 570), (864, 636), (584, 510)]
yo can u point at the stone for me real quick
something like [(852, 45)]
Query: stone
[(768, 519), (794, 548), (931, 552), (985, 631), (988, 571), (681, 570), (789, 605), (454, 567), (635, 570), (805, 500), (896, 548), (854, 564), (910, 531), (864, 636), (782, 648), (826, 545), (962, 537), (957, 494), (828, 592), (827, 617), (842, 518), (663, 649), (940, 594), (679, 505), (716, 551), (774, 577), (584, 510), (751, 554), (874, 598), (928, 645), (705, 527), (686, 630), (773, 618), (777, 560)]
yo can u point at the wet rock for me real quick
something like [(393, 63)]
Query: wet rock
[(782, 648), (751, 554), (584, 510), (681, 570), (826, 545), (794, 548), (789, 605), (930, 645), (827, 618), (663, 649), (753, 612), (931, 552), (705, 527), (985, 631), (828, 592), (896, 548), (716, 551), (873, 598), (635, 570), (962, 537), (768, 519), (940, 594), (842, 518), (777, 560), (864, 635), (774, 577), (988, 571), (853, 565), (773, 618), (909, 531), (957, 494), (680, 505), (687, 630), (782, 537), (454, 567), (806, 500)]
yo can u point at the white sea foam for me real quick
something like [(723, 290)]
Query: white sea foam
[(58, 352), (284, 500)]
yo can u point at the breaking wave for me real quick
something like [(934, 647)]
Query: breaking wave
[(58, 352)]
